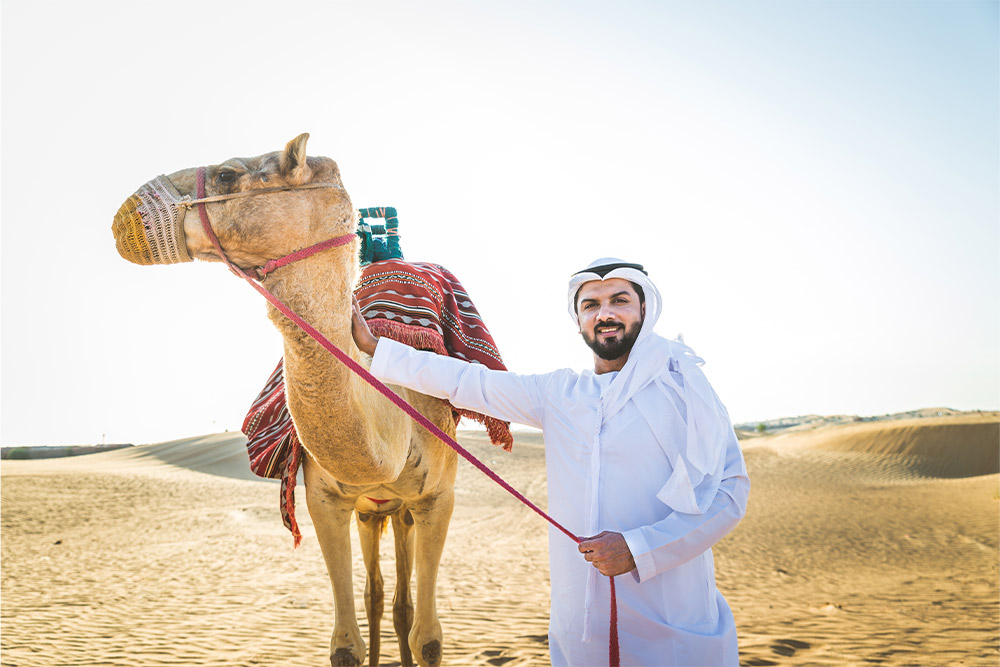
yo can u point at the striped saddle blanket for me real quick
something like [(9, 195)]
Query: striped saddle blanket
[(417, 303)]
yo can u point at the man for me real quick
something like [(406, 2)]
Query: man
[(640, 455)]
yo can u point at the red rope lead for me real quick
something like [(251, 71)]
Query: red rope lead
[(613, 658), (399, 402), (273, 264)]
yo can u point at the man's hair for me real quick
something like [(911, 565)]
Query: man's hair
[(635, 286)]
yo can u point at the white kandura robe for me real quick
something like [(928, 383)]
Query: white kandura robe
[(669, 609)]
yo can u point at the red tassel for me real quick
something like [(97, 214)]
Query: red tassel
[(290, 474)]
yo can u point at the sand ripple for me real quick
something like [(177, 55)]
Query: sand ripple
[(859, 547)]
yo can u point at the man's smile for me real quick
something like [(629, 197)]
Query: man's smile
[(608, 330)]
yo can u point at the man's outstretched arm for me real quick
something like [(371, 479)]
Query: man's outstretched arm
[(501, 394)]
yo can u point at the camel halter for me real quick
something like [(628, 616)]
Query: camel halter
[(149, 227), (613, 650), (271, 264)]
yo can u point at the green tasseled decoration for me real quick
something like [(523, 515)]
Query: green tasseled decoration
[(379, 242)]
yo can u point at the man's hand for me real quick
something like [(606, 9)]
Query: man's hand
[(609, 553), (363, 337)]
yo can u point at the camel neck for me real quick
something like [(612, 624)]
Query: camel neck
[(330, 405), (319, 290)]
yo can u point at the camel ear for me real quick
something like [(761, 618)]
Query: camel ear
[(293, 159)]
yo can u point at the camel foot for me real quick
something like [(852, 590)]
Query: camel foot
[(344, 657), (431, 652)]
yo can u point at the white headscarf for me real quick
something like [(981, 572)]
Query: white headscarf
[(697, 463)]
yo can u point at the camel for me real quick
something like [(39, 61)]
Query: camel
[(358, 446)]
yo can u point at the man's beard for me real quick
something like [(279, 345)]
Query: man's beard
[(613, 349)]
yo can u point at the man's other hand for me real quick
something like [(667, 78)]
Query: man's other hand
[(609, 553), (363, 337)]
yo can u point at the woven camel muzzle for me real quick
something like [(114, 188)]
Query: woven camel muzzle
[(149, 226)]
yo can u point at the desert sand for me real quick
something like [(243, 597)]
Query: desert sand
[(864, 543)]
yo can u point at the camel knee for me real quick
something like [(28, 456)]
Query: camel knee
[(375, 594), (402, 615), (425, 643), (431, 653), (343, 657), (347, 648)]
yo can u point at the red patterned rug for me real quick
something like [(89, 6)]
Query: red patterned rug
[(417, 303)]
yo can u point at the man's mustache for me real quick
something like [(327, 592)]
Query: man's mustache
[(605, 325)]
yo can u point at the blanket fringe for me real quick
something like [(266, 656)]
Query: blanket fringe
[(418, 337), (499, 431), (422, 338)]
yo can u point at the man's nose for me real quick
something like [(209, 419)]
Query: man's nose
[(606, 313)]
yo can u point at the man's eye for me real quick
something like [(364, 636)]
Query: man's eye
[(226, 176)]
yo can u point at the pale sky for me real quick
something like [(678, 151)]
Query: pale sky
[(812, 185)]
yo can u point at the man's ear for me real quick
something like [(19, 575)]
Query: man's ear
[(643, 311)]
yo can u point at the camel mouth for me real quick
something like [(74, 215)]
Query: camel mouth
[(149, 227)]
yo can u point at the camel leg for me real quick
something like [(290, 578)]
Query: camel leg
[(370, 529), (431, 517), (402, 601), (331, 517)]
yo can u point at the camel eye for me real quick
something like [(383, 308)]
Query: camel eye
[(226, 176)]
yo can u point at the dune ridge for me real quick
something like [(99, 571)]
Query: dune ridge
[(864, 543), (935, 448), (966, 445)]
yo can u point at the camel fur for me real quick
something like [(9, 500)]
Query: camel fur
[(357, 444)]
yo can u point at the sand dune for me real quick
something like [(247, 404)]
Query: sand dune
[(868, 543), (865, 546), (221, 454), (957, 447)]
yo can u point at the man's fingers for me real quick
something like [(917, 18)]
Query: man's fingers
[(608, 553), (591, 543)]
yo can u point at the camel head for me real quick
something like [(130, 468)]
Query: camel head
[(260, 208)]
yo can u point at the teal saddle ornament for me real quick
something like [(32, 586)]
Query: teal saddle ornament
[(378, 241)]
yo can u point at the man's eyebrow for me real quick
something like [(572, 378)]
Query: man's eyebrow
[(613, 296)]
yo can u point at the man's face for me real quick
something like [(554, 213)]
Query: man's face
[(610, 316)]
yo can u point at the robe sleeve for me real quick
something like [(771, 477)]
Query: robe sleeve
[(501, 394), (679, 537)]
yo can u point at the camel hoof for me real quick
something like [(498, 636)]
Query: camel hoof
[(431, 652), (343, 657)]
